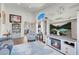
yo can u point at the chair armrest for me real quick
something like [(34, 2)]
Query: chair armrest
[(4, 52), (8, 47)]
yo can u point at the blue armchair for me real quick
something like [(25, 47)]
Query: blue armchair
[(5, 49), (31, 36)]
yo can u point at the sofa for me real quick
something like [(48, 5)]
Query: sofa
[(5, 48)]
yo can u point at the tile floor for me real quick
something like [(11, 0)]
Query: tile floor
[(33, 48)]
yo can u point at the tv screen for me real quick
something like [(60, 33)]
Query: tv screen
[(15, 18), (63, 30)]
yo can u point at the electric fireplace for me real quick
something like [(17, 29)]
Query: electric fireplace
[(56, 43)]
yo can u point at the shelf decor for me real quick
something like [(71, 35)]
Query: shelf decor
[(14, 18)]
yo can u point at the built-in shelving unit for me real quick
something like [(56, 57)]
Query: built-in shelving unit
[(66, 44), (16, 30), (63, 45)]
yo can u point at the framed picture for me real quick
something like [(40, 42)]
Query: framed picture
[(14, 18)]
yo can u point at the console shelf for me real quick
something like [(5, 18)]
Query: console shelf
[(63, 45)]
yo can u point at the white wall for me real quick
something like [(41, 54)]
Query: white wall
[(0, 17), (78, 33), (17, 10), (2, 25), (0, 6), (74, 29)]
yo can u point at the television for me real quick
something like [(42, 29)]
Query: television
[(15, 18), (63, 30)]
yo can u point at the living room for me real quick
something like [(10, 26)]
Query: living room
[(50, 28)]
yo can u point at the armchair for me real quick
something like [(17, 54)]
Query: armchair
[(31, 36), (5, 49)]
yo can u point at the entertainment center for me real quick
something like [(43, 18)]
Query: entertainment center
[(64, 45), (63, 37)]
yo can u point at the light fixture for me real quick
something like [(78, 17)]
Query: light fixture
[(40, 16)]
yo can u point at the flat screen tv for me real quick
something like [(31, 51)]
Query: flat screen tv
[(63, 30), (14, 18)]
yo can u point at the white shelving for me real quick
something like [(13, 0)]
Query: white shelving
[(16, 30), (65, 48)]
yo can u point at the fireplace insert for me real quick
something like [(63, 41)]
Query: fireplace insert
[(56, 43)]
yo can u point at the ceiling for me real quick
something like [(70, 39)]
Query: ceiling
[(54, 11), (62, 11), (41, 6), (35, 7)]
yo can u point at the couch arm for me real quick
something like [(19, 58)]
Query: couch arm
[(9, 47), (4, 51)]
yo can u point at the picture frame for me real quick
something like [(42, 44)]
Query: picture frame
[(15, 18)]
